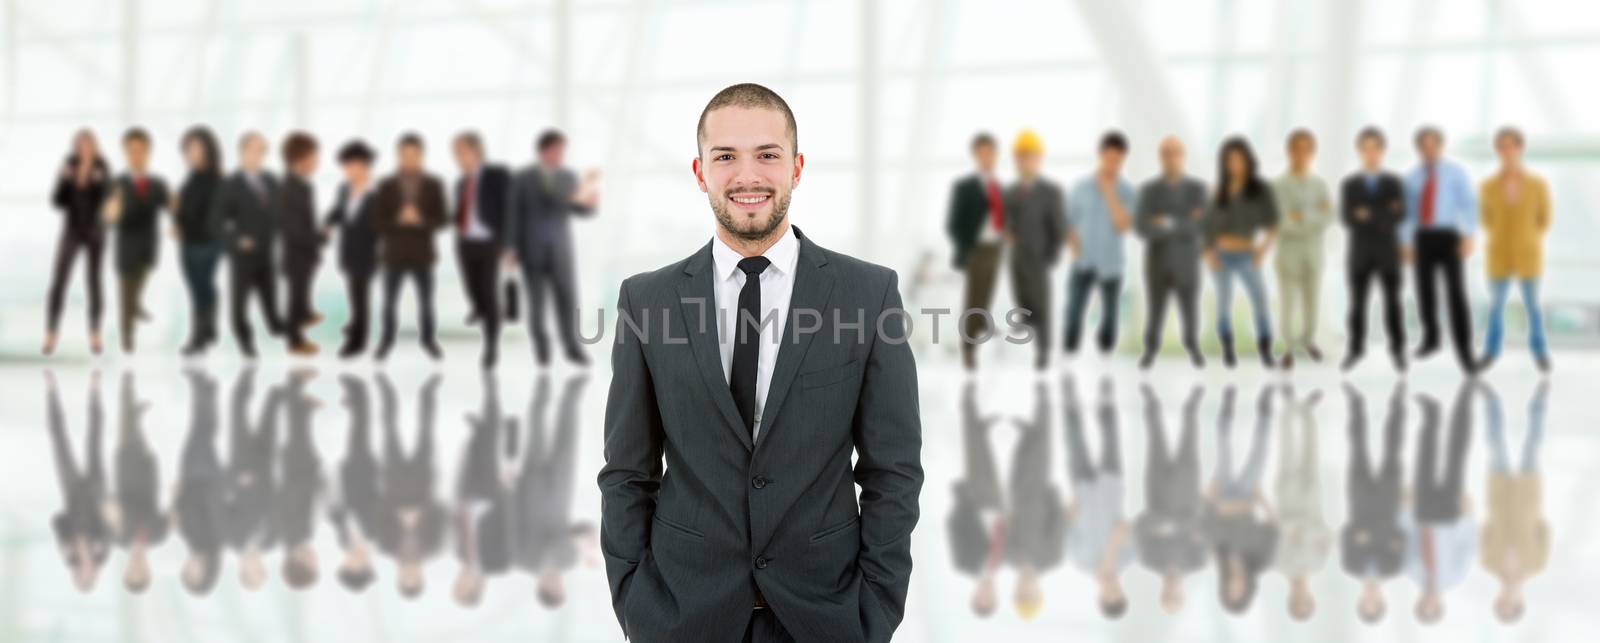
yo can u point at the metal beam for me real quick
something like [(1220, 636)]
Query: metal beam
[(867, 87)]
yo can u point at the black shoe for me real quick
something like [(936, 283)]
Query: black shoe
[(1146, 360), (1264, 351), (1350, 360), (489, 359), (473, 318), (1195, 358), (1288, 361), (577, 357), (350, 350), (969, 360), (1427, 349), (1228, 357), (1543, 362), (248, 350), (1485, 362), (1399, 358), (1314, 352), (193, 348), (383, 351), (1041, 361), (433, 350)]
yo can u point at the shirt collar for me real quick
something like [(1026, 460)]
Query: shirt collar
[(783, 255)]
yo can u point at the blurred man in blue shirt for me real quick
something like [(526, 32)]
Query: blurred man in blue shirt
[(1441, 220), (1099, 211)]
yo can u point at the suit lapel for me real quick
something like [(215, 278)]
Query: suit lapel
[(813, 284), (698, 304)]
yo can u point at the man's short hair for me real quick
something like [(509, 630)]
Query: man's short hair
[(983, 139), (1428, 130), (471, 139), (1510, 132), (136, 134), (753, 96), (297, 146), (410, 139), (1114, 140), (1297, 134), (251, 135), (1371, 132), (547, 138), (357, 151)]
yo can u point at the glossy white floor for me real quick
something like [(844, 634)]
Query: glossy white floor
[(541, 580)]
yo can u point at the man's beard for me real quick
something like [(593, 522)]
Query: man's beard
[(780, 209)]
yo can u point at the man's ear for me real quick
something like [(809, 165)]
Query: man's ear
[(799, 164), (694, 166)]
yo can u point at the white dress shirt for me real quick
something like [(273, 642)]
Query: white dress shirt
[(475, 231), (777, 284)]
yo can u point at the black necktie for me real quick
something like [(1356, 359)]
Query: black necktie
[(747, 341)]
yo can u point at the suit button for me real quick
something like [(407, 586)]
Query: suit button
[(761, 562), (758, 482)]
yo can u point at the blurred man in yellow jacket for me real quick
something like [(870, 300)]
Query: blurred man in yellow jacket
[(1514, 213)]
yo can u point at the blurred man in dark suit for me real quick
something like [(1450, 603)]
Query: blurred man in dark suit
[(410, 209), (479, 219)]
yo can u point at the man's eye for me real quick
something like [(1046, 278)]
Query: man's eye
[(769, 156), (724, 157)]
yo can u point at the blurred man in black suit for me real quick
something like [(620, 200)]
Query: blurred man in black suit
[(244, 208), (479, 215), (410, 209), (302, 239), (358, 241)]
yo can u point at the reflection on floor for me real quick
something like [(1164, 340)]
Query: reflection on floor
[(1097, 502)]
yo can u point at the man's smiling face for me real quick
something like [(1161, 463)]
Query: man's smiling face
[(748, 167)]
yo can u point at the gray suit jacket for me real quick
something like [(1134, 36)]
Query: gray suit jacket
[(1036, 215), (538, 207), (688, 548)]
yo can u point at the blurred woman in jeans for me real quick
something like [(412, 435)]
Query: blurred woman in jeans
[(1515, 214), (1240, 227), (199, 235)]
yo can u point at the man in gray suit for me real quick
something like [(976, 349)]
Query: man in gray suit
[(543, 197), (1037, 227), (754, 531), (1167, 217)]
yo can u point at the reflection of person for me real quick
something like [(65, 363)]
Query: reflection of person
[(300, 487), (244, 209), (354, 508), (1304, 211), (1441, 219), (358, 241), (976, 225), (135, 209), (140, 521), (83, 534), (1304, 539), (1099, 538), (1099, 209), (1371, 544), (1516, 213), (1036, 229), (1240, 227), (296, 213), (753, 529), (412, 520), (1371, 203), (82, 187), (1243, 528), (1170, 532), (543, 198), (479, 220), (409, 209), (977, 516), (546, 538), (1036, 525), (1441, 538), (483, 510), (1516, 536), (251, 479), (198, 234), (199, 506), (1168, 217)]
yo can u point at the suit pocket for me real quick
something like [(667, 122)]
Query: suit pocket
[(835, 530), (682, 529), (830, 375)]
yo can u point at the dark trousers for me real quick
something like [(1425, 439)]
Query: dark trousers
[(551, 267), (1363, 271), (1031, 287), (983, 264), (358, 285), (1079, 285), (1438, 256), (93, 247), (200, 262), (422, 277), (480, 276), (1163, 285), (247, 278), (131, 300), (299, 278)]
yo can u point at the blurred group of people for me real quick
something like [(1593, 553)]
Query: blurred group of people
[(271, 233)]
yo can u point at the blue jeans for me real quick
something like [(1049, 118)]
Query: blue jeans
[(1240, 264), (200, 275), (1499, 290)]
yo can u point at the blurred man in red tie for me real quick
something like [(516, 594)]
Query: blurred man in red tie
[(480, 205), (976, 225)]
